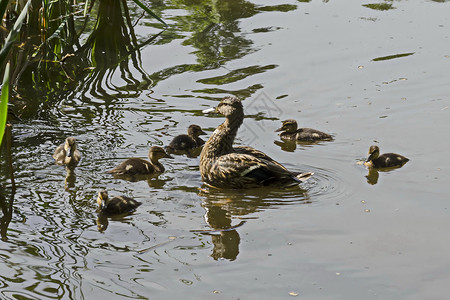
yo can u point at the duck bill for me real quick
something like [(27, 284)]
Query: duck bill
[(371, 156), (209, 110), (279, 129), (202, 133), (69, 152)]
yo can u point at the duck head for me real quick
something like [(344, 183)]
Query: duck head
[(195, 131), (229, 106), (70, 146), (374, 152), (289, 125), (155, 153), (102, 199)]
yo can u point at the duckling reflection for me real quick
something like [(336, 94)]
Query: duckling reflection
[(69, 182), (286, 145), (67, 153), (138, 166), (189, 144), (290, 131), (372, 176)]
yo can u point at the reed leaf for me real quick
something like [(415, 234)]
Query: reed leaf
[(3, 6), (4, 102), (13, 34), (141, 5)]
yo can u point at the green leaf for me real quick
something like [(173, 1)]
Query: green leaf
[(4, 102), (3, 5), (149, 11), (14, 33)]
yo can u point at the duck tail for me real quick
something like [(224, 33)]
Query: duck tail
[(302, 177)]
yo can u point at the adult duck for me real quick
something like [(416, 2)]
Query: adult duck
[(223, 166), (290, 131)]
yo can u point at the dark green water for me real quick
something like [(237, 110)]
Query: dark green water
[(366, 75)]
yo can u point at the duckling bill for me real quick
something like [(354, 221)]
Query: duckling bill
[(67, 153), (289, 131), (139, 166), (386, 160), (116, 205)]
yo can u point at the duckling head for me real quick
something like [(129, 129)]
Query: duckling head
[(229, 106), (374, 152), (195, 131), (102, 199), (289, 125), (70, 146), (155, 153)]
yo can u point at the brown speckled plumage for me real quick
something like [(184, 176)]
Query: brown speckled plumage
[(386, 160), (139, 166), (289, 131), (223, 166), (116, 205)]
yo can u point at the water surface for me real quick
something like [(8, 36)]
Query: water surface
[(365, 74)]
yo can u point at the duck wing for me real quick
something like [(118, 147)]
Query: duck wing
[(238, 170), (302, 177), (256, 153), (60, 154)]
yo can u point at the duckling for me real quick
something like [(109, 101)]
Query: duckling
[(67, 153), (139, 166), (386, 160), (189, 141), (116, 205), (223, 166), (291, 132)]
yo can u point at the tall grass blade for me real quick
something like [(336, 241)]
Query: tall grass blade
[(149, 11), (4, 102), (3, 6), (14, 33)]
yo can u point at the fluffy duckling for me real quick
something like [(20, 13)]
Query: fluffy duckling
[(189, 141), (67, 153), (289, 131), (139, 166), (223, 166), (116, 205), (386, 160)]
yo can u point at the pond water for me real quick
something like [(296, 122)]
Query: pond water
[(366, 75)]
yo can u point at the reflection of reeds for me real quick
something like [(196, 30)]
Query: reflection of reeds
[(5, 205), (56, 57)]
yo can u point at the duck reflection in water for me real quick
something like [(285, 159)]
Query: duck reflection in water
[(224, 238), (224, 206)]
